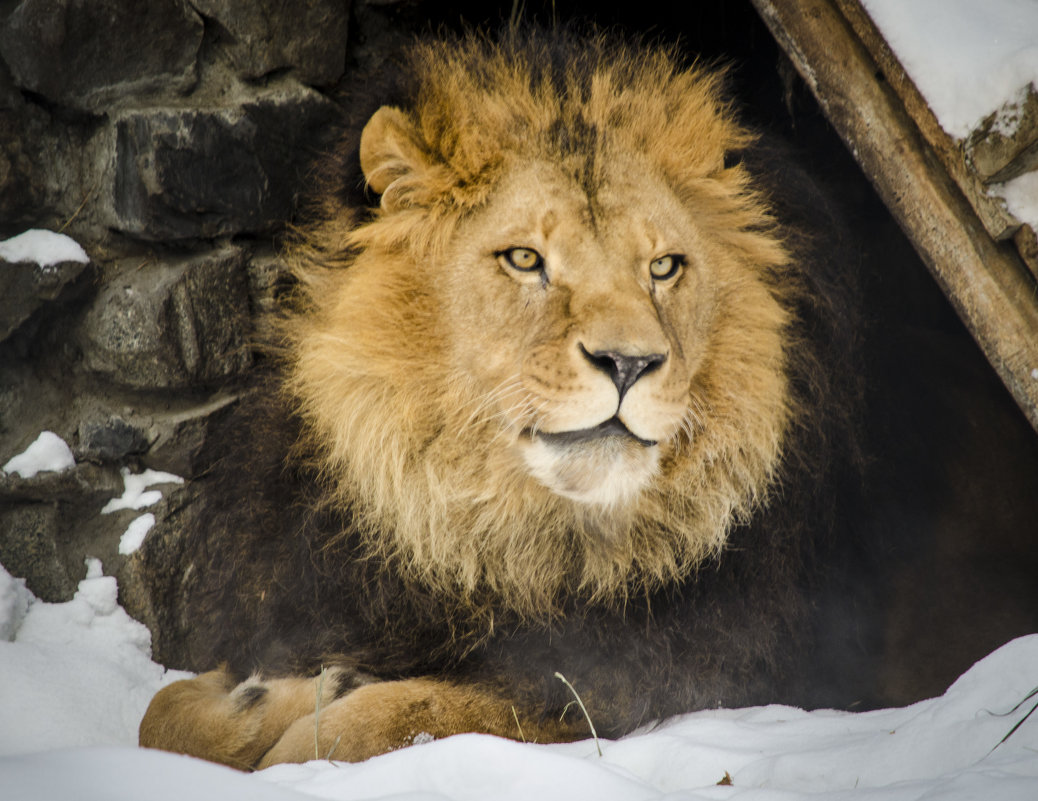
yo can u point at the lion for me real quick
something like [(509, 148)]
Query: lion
[(576, 400)]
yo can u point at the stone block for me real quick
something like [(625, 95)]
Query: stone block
[(43, 521), (203, 172), (170, 324), (85, 54), (20, 131), (262, 36), (29, 535), (25, 287), (110, 439)]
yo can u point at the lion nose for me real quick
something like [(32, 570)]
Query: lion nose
[(622, 368)]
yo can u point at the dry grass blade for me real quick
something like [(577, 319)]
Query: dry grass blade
[(317, 713), (1022, 720), (583, 709), (518, 724)]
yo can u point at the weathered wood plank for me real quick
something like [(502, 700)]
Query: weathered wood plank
[(991, 211), (986, 281)]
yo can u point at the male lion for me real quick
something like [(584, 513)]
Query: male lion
[(568, 402)]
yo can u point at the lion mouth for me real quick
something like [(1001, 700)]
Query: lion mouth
[(613, 427)]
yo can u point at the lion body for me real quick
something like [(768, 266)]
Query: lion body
[(577, 398)]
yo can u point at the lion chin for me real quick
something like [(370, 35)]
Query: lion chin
[(605, 466)]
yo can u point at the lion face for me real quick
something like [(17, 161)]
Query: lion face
[(583, 320), (554, 361)]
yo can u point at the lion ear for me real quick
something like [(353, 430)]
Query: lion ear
[(392, 157)]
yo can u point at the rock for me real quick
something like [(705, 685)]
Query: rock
[(84, 54), (49, 523), (204, 172), (179, 437), (268, 277), (29, 545), (25, 287), (262, 36), (157, 575), (170, 324), (110, 439), (20, 131)]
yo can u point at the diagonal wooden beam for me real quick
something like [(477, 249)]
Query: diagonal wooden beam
[(985, 281)]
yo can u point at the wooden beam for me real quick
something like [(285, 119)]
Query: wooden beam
[(985, 281), (991, 211)]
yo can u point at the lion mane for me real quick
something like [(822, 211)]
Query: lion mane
[(409, 442)]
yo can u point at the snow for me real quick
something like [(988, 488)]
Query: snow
[(135, 495), (1021, 197), (77, 673), (968, 58), (76, 677), (133, 537), (49, 453), (45, 248)]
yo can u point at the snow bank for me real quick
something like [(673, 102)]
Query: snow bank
[(76, 673), (48, 453), (967, 57), (44, 248), (76, 679)]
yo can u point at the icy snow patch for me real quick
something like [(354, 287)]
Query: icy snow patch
[(134, 495), (1021, 196), (49, 453), (134, 535), (967, 57), (45, 248)]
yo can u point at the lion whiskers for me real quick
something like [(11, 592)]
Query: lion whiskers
[(495, 400)]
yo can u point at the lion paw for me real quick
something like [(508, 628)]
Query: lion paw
[(218, 719)]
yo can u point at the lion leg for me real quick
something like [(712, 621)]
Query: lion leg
[(385, 716), (216, 718)]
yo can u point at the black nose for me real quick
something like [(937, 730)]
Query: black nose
[(623, 369)]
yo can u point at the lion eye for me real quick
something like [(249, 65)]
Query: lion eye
[(666, 267), (524, 260)]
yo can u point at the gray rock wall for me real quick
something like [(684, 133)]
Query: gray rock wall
[(170, 139)]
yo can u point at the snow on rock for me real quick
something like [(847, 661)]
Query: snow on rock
[(77, 678), (45, 248), (133, 537), (48, 453), (134, 495), (1021, 197), (967, 57)]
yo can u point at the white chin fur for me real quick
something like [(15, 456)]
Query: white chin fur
[(607, 472)]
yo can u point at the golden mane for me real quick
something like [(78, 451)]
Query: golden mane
[(410, 445)]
